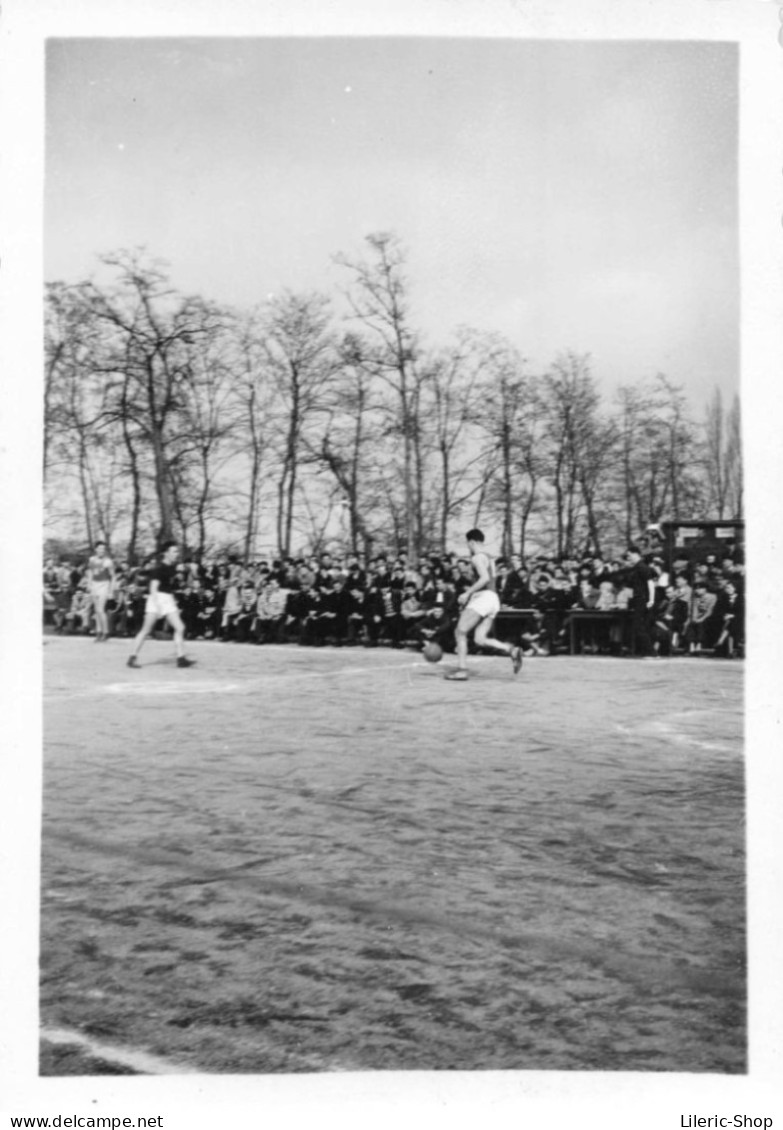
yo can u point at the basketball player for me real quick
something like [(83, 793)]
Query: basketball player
[(480, 606), (100, 570), (160, 603)]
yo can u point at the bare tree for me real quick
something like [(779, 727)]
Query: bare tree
[(150, 335), (301, 361), (379, 302), (77, 423), (574, 438), (253, 396), (347, 440), (734, 473), (452, 385)]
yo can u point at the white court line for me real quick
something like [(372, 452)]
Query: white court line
[(139, 1061), (187, 686), (147, 1064)]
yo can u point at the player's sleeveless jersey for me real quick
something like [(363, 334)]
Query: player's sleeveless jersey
[(491, 585), (100, 568)]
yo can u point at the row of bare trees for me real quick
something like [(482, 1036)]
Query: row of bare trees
[(289, 426)]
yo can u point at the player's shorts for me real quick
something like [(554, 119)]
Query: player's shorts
[(485, 603), (161, 604), (101, 590)]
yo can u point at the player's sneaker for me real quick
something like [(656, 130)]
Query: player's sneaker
[(516, 659), (458, 676), (182, 661), (133, 662)]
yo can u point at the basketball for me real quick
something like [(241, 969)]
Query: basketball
[(433, 652)]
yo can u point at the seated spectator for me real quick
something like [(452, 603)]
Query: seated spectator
[(682, 589), (355, 575), (209, 615), (551, 603), (411, 610), (398, 577), (353, 610), (191, 602), (606, 600), (435, 626), (78, 616), (241, 624), (57, 592), (669, 618), (382, 571), (301, 613), (392, 623), (587, 593), (271, 612), (701, 630), (731, 640), (513, 587), (328, 618)]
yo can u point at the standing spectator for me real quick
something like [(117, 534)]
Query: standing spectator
[(373, 608), (641, 581)]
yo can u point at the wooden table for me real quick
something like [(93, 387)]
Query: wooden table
[(614, 616), (523, 619)]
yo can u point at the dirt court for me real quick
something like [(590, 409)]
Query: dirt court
[(294, 860)]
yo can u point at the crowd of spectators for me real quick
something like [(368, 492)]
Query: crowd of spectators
[(696, 608)]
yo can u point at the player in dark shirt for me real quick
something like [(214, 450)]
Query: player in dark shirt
[(161, 603)]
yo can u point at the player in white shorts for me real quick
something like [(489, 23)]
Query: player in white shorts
[(480, 605), (160, 603), (100, 570)]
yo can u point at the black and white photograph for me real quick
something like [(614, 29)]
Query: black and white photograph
[(397, 463)]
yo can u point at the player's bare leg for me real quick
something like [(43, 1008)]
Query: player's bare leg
[(175, 620), (101, 619), (149, 623), (483, 639), (466, 623)]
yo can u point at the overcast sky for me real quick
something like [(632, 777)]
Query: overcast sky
[(569, 195)]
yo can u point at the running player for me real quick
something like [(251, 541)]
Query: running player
[(160, 603), (480, 606), (100, 570)]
